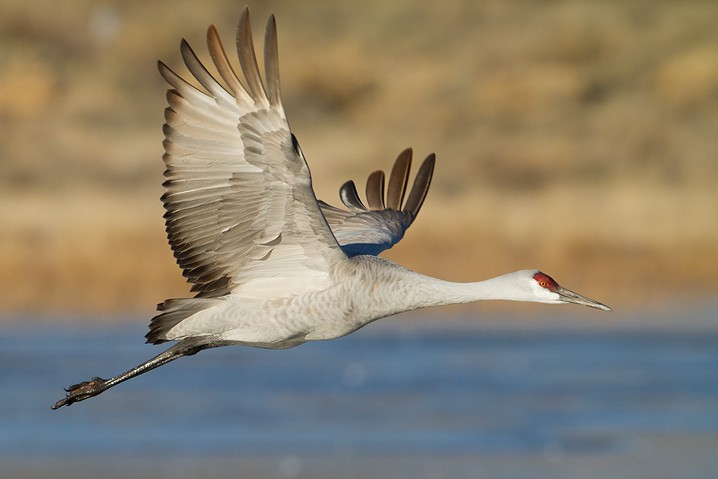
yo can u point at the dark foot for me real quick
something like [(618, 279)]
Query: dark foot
[(82, 391)]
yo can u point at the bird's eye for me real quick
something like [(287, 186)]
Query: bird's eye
[(543, 284)]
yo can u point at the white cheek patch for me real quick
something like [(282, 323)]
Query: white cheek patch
[(544, 294)]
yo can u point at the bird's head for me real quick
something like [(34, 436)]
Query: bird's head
[(546, 290)]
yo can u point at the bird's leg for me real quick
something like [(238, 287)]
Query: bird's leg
[(93, 387)]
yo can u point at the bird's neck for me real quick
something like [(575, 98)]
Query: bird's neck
[(406, 290), (414, 290), (437, 292)]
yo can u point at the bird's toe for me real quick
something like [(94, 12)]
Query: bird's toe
[(81, 391)]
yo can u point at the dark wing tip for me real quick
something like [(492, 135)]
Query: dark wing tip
[(243, 17), (247, 56), (222, 63), (350, 197), (166, 72), (421, 186), (399, 179), (271, 61), (375, 190)]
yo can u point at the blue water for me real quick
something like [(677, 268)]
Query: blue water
[(411, 398)]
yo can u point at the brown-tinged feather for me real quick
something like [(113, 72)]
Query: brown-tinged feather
[(350, 197), (195, 66), (271, 62), (221, 62), (375, 190), (398, 180), (247, 58), (421, 186), (174, 79)]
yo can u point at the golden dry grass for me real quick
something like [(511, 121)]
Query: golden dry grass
[(577, 137)]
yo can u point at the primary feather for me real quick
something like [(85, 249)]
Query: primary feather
[(371, 230)]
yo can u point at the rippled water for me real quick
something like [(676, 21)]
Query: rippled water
[(414, 398)]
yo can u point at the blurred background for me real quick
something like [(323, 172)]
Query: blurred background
[(578, 137)]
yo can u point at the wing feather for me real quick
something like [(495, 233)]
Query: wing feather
[(271, 62), (241, 215), (223, 65), (362, 230), (203, 75), (247, 58), (421, 186), (350, 196), (398, 180), (375, 190)]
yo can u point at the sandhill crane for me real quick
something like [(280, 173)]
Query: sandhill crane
[(272, 266)]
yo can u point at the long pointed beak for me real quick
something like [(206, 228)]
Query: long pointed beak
[(569, 296)]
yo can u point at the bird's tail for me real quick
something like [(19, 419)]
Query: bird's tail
[(172, 312)]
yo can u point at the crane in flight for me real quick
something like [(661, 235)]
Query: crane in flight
[(272, 266)]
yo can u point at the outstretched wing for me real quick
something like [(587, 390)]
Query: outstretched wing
[(362, 230), (241, 213)]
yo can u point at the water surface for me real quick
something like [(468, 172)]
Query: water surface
[(415, 397)]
